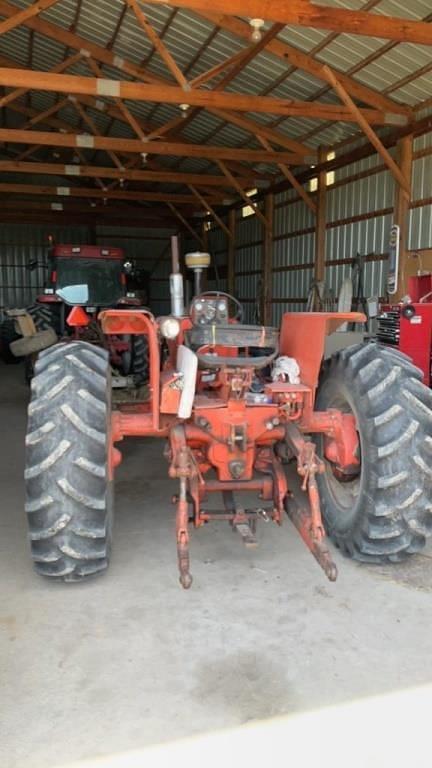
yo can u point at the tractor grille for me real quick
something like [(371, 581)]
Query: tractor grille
[(389, 327)]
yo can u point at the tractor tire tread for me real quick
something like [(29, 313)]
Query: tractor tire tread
[(68, 494), (393, 408)]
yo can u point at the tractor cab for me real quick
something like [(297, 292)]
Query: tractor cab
[(88, 275)]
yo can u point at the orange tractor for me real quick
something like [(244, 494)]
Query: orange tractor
[(236, 403)]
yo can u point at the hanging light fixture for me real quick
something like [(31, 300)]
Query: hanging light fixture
[(184, 108), (256, 25)]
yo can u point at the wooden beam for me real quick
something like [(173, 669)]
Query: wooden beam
[(83, 141), (308, 14), (309, 155), (159, 45), (292, 179), (321, 220), (102, 55), (91, 171), (401, 211), (108, 194), (223, 66), (76, 42), (94, 129), (13, 95), (242, 193), (232, 213), (67, 219), (249, 54), (94, 86), (76, 206), (207, 207), (370, 133), (186, 224), (306, 62), (20, 17), (267, 263), (113, 110), (114, 210)]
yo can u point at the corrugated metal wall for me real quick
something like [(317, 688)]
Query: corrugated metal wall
[(359, 217), (420, 230), (22, 244)]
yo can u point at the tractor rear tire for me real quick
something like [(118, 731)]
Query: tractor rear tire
[(45, 316), (384, 513), (68, 489)]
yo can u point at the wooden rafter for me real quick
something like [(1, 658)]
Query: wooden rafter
[(284, 51), (94, 129), (236, 67), (373, 57), (186, 224), (131, 174), (76, 42), (18, 18), (308, 14), (306, 62), (292, 179), (114, 111), (74, 84), (84, 141), (116, 210), (98, 53), (242, 193), (158, 44), (263, 130), (208, 208), (93, 194), (369, 132), (146, 61), (18, 92), (217, 69)]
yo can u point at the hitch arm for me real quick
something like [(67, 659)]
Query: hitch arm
[(309, 521)]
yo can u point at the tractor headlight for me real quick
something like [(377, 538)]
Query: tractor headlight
[(169, 327)]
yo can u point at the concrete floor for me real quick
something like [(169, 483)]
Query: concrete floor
[(130, 659)]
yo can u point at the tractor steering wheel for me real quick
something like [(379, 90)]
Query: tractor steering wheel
[(238, 317)]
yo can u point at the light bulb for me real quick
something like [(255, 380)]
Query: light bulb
[(184, 108), (256, 25)]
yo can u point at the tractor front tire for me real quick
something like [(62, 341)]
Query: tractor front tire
[(68, 490), (384, 513)]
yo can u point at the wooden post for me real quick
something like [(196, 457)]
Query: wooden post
[(401, 211), (231, 251), (267, 262), (320, 227)]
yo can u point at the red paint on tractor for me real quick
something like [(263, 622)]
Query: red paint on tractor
[(230, 442)]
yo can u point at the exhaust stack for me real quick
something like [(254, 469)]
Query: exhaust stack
[(176, 280)]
